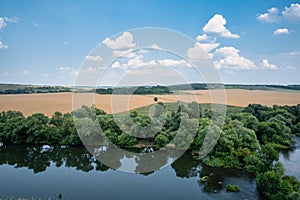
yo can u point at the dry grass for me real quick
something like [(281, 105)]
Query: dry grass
[(49, 103)]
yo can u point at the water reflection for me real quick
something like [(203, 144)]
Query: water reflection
[(38, 158), (64, 164)]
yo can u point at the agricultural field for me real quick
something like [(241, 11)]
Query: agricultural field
[(48, 103)]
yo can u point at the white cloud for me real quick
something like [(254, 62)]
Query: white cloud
[(207, 43), (281, 31), (3, 23), (65, 69), (273, 15), (27, 73), (267, 66), (173, 63), (290, 67), (229, 58), (210, 46), (196, 52), (122, 42), (155, 46), (270, 17), (217, 25), (126, 54), (93, 58), (88, 70), (116, 65), (133, 63), (203, 37), (292, 12), (137, 62), (2, 46)]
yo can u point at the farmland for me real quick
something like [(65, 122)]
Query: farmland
[(48, 103)]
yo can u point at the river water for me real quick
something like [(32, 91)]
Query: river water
[(45, 172)]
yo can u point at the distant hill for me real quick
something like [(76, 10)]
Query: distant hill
[(31, 89)]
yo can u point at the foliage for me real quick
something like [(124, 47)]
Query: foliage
[(232, 188), (135, 90)]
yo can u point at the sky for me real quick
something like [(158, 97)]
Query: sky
[(45, 42)]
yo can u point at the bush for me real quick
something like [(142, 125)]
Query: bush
[(232, 188)]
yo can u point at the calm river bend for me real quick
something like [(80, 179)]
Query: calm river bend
[(44, 172)]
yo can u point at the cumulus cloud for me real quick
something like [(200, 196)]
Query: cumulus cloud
[(292, 12), (201, 38), (196, 52), (207, 43), (281, 31), (267, 66), (133, 63), (270, 17), (93, 58), (122, 42), (217, 25), (208, 47), (138, 62), (173, 63), (130, 53), (229, 58), (3, 23)]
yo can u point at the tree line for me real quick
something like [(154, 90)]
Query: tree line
[(135, 90)]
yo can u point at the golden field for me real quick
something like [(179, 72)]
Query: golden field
[(51, 102)]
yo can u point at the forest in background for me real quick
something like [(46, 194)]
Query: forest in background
[(33, 89)]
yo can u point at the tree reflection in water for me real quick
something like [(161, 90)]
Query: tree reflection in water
[(38, 158)]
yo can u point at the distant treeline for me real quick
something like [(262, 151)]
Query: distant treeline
[(19, 89), (136, 90), (204, 86), (192, 86), (262, 87), (142, 90)]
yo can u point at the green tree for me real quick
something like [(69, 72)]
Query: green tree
[(161, 140), (269, 184), (125, 140)]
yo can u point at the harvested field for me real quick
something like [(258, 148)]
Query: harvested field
[(51, 102)]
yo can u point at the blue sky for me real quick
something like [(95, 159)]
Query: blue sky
[(45, 42)]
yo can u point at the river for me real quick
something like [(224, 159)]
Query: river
[(46, 172)]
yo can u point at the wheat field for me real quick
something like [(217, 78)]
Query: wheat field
[(48, 103)]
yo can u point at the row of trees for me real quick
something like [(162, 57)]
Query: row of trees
[(35, 89), (135, 90)]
